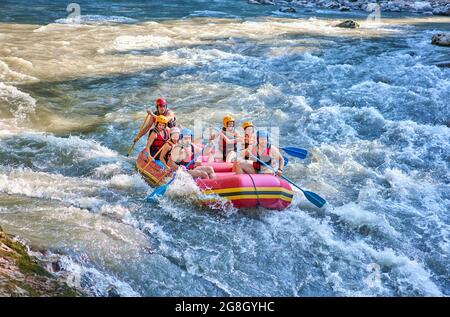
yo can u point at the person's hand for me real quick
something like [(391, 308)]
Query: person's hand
[(279, 172), (151, 113), (136, 138), (197, 164)]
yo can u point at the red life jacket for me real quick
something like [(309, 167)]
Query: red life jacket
[(257, 165), (158, 142)]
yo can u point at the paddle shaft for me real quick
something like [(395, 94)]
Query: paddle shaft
[(139, 132)]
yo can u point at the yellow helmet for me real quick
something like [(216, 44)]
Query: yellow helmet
[(226, 119), (247, 124), (162, 119)]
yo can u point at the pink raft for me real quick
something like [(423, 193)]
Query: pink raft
[(243, 191), (246, 190)]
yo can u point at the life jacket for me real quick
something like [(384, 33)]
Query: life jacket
[(158, 142), (224, 146), (257, 165), (191, 166), (172, 122)]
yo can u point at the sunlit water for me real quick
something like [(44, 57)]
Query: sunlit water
[(369, 104)]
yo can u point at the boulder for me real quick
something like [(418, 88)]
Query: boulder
[(344, 8), (288, 10), (441, 39), (261, 2), (442, 10), (349, 24), (443, 65)]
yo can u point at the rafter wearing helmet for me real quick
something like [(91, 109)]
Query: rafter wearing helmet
[(161, 110), (157, 137), (228, 139)]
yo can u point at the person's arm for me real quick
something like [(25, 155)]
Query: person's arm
[(279, 157), (248, 151), (149, 144), (227, 140), (170, 115), (162, 155), (173, 166)]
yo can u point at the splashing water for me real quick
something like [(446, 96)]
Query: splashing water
[(369, 104)]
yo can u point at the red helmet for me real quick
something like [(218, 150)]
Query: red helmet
[(161, 102)]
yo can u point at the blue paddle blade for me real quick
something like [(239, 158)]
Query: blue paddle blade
[(296, 152), (315, 199), (160, 164), (158, 192), (286, 160)]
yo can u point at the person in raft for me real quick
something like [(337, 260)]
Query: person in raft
[(157, 137), (228, 140), (180, 151), (249, 140), (161, 110), (264, 151)]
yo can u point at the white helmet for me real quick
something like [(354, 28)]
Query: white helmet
[(175, 130)]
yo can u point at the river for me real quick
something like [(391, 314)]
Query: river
[(369, 104)]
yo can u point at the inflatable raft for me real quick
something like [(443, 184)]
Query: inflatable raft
[(244, 190)]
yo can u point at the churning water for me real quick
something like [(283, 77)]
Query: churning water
[(369, 104)]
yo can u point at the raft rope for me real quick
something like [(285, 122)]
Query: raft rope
[(256, 191)]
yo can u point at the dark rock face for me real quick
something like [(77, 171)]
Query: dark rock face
[(349, 24), (269, 2), (441, 39), (288, 10), (443, 10), (443, 65), (436, 7)]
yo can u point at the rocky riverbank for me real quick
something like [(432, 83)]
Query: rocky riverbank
[(435, 7), (24, 275)]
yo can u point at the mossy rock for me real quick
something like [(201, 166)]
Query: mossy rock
[(24, 275)]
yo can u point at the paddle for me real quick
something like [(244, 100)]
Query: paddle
[(296, 152), (312, 197), (161, 190), (286, 161), (140, 130)]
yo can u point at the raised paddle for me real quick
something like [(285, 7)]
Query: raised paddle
[(312, 197), (140, 130)]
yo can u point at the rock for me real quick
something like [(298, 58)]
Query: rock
[(288, 10), (443, 65), (442, 10), (350, 24), (269, 2), (112, 291), (441, 39), (24, 275), (344, 8), (56, 266)]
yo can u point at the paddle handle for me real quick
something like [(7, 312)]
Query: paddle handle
[(282, 176)]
